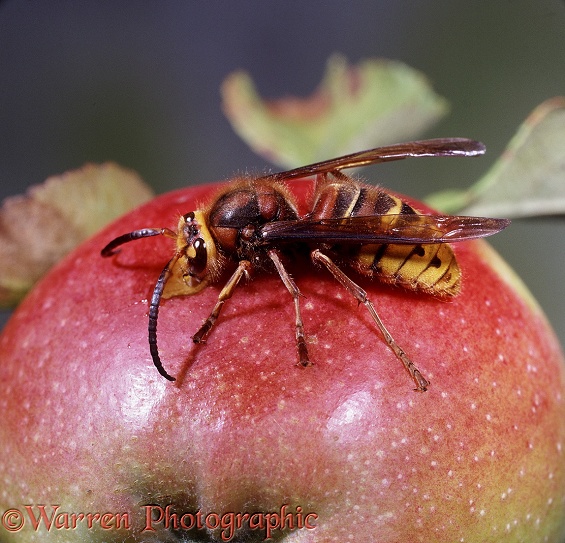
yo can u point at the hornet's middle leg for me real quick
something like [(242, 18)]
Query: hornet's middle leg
[(289, 283)]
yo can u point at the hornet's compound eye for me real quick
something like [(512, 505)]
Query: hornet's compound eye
[(199, 261)]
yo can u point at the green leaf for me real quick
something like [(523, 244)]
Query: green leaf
[(374, 103), (528, 180)]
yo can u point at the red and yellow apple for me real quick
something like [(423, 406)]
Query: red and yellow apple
[(95, 444)]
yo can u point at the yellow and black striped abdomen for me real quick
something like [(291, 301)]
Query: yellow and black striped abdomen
[(430, 268)]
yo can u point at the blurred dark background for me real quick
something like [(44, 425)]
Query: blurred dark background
[(138, 83)]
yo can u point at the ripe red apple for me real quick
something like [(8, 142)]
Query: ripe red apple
[(345, 448)]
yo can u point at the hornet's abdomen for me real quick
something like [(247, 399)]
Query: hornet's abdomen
[(430, 268)]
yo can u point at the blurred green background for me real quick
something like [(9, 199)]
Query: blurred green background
[(138, 83)]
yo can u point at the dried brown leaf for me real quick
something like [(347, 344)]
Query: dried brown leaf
[(39, 228)]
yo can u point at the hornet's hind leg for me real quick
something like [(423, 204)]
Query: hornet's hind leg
[(360, 295)]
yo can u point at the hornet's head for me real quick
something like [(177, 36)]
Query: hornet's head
[(198, 260)]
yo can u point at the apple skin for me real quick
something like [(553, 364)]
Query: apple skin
[(88, 424)]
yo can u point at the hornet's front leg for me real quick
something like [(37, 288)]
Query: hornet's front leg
[(244, 268)]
